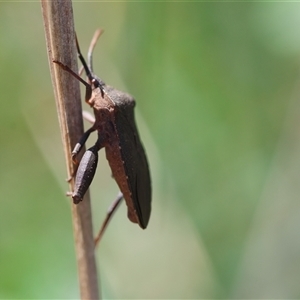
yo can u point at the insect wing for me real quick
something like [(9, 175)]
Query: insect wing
[(134, 156)]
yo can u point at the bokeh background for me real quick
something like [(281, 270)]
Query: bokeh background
[(218, 89)]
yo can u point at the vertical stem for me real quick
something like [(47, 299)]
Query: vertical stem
[(60, 39)]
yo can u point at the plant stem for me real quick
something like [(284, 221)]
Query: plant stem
[(60, 40)]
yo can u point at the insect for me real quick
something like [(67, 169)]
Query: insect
[(118, 134)]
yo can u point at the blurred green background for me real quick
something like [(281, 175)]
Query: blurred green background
[(217, 88)]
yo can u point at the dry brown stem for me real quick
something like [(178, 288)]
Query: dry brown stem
[(60, 39)]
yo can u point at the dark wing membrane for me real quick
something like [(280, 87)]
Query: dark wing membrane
[(133, 155), (136, 166)]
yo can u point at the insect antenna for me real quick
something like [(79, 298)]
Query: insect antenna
[(91, 48), (88, 69), (66, 68), (85, 66)]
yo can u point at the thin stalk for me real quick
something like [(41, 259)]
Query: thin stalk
[(60, 40)]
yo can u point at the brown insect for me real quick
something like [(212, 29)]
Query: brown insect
[(118, 134)]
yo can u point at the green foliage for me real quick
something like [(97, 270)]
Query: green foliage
[(216, 86)]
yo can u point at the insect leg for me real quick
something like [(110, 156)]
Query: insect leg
[(88, 116), (113, 207), (85, 173), (81, 142)]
